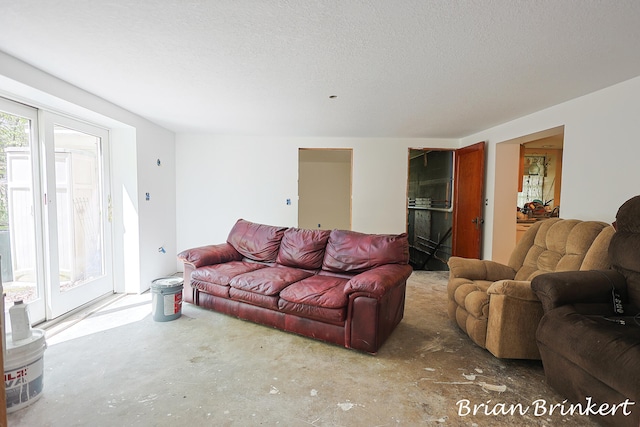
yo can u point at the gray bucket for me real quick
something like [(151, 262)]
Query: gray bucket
[(166, 298)]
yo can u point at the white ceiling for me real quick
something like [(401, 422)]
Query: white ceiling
[(410, 68)]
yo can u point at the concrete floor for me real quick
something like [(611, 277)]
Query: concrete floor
[(118, 367)]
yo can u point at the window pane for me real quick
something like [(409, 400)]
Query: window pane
[(17, 214), (80, 237)]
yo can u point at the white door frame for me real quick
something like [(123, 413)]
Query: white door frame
[(58, 301), (37, 310)]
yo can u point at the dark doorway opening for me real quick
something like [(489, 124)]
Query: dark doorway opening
[(430, 209)]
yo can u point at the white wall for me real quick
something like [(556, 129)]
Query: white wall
[(223, 178), (140, 227), (600, 155), (157, 217)]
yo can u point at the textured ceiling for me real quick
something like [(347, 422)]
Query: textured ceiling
[(411, 68)]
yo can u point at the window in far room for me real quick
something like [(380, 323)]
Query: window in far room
[(532, 180)]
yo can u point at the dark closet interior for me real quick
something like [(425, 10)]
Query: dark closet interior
[(429, 212)]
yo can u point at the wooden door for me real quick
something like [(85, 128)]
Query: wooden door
[(468, 201)]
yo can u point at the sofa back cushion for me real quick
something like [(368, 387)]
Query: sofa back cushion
[(624, 249), (597, 257), (257, 242), (562, 245), (352, 252), (303, 248)]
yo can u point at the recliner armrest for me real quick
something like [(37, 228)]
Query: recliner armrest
[(518, 289), (476, 269), (577, 287), (210, 255)]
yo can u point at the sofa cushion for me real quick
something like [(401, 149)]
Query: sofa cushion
[(211, 288), (258, 242), (268, 281), (318, 291), (559, 245), (597, 257), (349, 251), (581, 239), (317, 297), (214, 279), (266, 301), (221, 274), (303, 248), (335, 316)]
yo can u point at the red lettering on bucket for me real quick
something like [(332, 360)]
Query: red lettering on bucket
[(177, 303), (15, 378), (15, 375)]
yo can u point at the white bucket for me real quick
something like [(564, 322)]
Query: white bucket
[(24, 370)]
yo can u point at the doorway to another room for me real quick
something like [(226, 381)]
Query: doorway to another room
[(324, 188), (445, 205), (430, 208), (528, 181), (540, 180)]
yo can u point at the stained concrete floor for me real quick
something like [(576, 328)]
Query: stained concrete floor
[(117, 367)]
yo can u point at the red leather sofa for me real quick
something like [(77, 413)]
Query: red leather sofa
[(337, 286)]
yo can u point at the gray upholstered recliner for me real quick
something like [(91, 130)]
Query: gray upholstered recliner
[(493, 303)]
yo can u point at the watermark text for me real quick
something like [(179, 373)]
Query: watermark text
[(541, 407)]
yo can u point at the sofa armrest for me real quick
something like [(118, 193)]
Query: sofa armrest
[(210, 255), (571, 287), (518, 289), (477, 269), (377, 281)]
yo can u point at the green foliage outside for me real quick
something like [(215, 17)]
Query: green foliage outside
[(14, 132)]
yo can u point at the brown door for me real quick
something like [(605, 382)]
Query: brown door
[(468, 201)]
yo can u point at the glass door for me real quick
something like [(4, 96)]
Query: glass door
[(78, 230), (21, 238)]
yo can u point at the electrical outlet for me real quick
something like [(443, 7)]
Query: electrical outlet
[(288, 202), (147, 196)]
